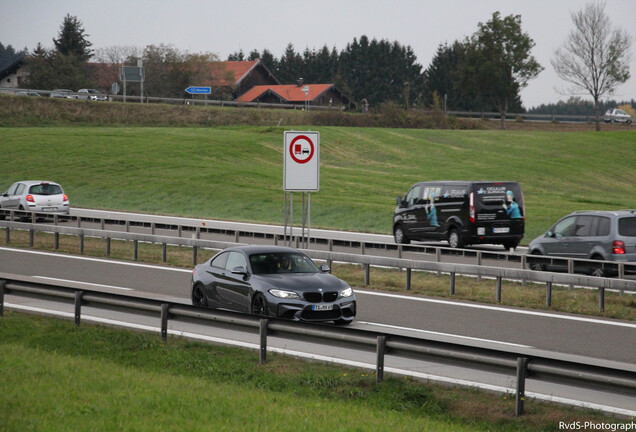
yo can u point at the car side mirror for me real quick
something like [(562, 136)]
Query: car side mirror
[(399, 201), (239, 270), (325, 268), (549, 234), (5, 194)]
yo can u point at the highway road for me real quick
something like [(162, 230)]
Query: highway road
[(488, 326)]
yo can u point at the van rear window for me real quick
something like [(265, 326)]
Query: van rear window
[(627, 226), (497, 194)]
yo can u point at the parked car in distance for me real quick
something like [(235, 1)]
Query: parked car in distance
[(61, 93), (36, 196), (90, 94), (28, 93), (595, 235), (461, 212), (272, 281), (617, 116)]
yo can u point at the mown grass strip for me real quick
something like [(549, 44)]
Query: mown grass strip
[(59, 377)]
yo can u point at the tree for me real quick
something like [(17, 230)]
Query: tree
[(595, 57), (498, 62), (72, 40)]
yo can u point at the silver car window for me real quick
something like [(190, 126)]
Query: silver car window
[(20, 189), (12, 188), (219, 260), (583, 227), (565, 227), (627, 226)]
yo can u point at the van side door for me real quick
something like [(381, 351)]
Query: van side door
[(410, 214)]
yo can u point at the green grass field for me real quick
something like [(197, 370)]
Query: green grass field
[(58, 377), (235, 173)]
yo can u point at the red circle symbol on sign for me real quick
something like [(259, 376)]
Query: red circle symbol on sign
[(301, 149)]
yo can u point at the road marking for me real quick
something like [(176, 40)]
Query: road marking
[(84, 283), (444, 334), (124, 263), (335, 360), (380, 294), (499, 309)]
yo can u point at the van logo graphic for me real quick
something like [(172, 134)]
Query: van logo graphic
[(480, 191)]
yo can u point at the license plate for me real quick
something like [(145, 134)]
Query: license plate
[(501, 230), (322, 307), (49, 209)]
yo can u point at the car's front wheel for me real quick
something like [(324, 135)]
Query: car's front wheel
[(259, 306)]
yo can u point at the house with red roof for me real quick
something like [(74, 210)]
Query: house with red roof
[(313, 94)]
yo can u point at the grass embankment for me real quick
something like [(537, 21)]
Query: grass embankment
[(58, 377), (235, 173), (530, 296)]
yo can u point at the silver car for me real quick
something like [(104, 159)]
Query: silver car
[(592, 235), (617, 116), (37, 196), (90, 94)]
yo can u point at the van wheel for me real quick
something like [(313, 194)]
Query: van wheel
[(399, 236), (511, 245), (454, 239)]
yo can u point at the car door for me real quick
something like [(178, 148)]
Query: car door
[(234, 288), (429, 213), (557, 241), (12, 200), (582, 240)]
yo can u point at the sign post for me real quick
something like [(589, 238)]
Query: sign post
[(301, 173)]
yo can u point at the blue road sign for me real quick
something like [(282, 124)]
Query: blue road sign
[(199, 90)]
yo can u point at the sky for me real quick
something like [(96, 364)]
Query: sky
[(226, 26)]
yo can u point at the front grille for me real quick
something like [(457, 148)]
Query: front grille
[(317, 297), (321, 315)]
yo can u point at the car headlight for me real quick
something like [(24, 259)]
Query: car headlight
[(284, 294), (347, 292)]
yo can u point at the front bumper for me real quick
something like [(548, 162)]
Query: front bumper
[(342, 310)]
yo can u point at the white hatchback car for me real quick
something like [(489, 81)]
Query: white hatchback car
[(617, 116), (36, 196)]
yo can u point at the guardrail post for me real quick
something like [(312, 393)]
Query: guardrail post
[(367, 274), (263, 337), (399, 251), (179, 231), (380, 351), (452, 284), (127, 226), (78, 306), (237, 235), (152, 228), (548, 294), (81, 237), (135, 249), (3, 284), (408, 279), (362, 248), (57, 240), (479, 263), (601, 299), (164, 321), (194, 255), (102, 224), (524, 266), (621, 272), (570, 271), (31, 237), (197, 233), (107, 246), (79, 221), (56, 221), (33, 217), (8, 235), (522, 370), (164, 252), (498, 294), (438, 258)]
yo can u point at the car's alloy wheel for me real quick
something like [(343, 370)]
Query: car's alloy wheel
[(198, 297), (259, 306)]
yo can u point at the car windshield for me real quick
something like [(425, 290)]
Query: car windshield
[(45, 189), (282, 262)]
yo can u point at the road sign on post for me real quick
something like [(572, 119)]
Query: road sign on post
[(301, 170), (199, 90)]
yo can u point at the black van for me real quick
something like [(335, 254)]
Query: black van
[(461, 212)]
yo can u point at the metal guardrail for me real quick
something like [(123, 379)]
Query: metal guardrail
[(367, 261), (526, 116), (591, 373)]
